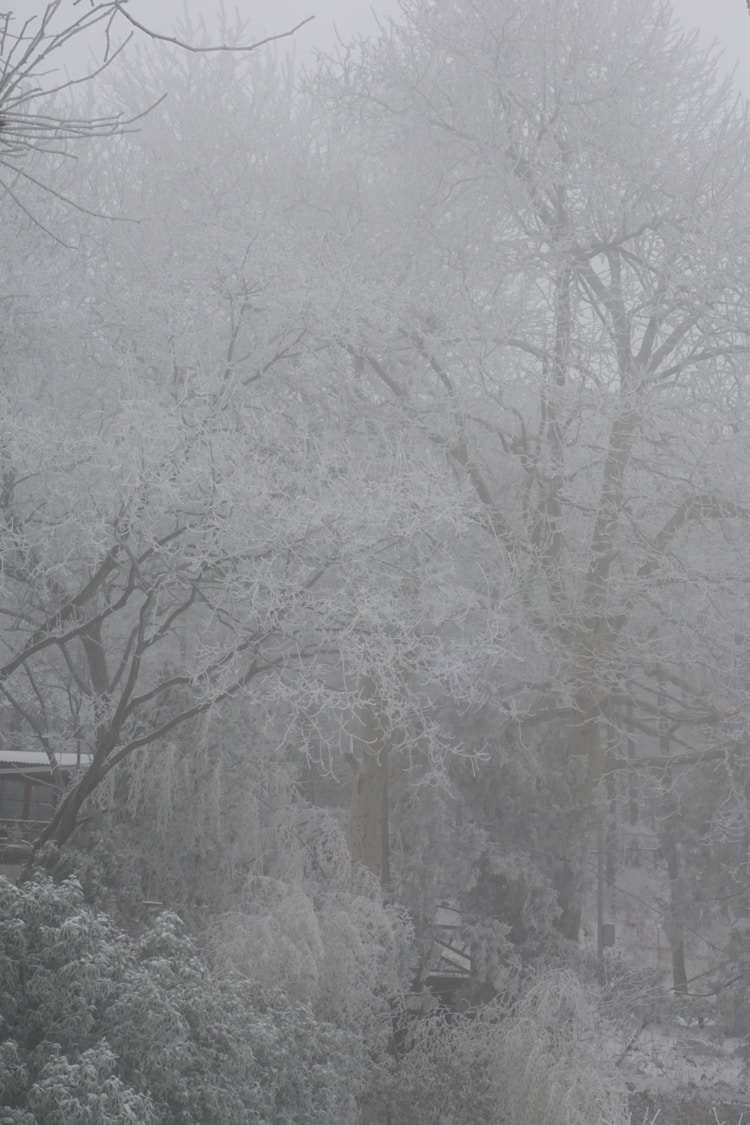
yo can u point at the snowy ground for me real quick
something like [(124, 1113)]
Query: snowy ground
[(694, 1067), (661, 1060)]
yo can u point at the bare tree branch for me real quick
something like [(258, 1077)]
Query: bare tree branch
[(203, 50), (28, 51)]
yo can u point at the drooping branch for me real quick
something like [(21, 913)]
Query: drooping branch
[(107, 757), (119, 5), (697, 506)]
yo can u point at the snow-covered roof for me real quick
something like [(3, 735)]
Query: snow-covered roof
[(37, 759)]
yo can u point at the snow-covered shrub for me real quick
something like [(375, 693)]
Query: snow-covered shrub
[(87, 1092), (102, 1028), (552, 1068), (340, 951), (539, 1062)]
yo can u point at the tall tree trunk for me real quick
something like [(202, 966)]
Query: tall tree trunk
[(368, 821), (670, 850), (674, 917), (586, 758)]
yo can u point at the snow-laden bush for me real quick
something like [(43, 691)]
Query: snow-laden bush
[(540, 1062), (553, 1069), (338, 950), (101, 1028)]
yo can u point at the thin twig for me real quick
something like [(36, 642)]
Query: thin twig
[(203, 50)]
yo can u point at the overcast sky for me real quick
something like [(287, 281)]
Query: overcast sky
[(727, 21)]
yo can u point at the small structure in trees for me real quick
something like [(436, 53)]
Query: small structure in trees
[(30, 789), (449, 963)]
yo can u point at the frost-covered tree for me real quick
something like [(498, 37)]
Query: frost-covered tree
[(550, 218), (199, 501)]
